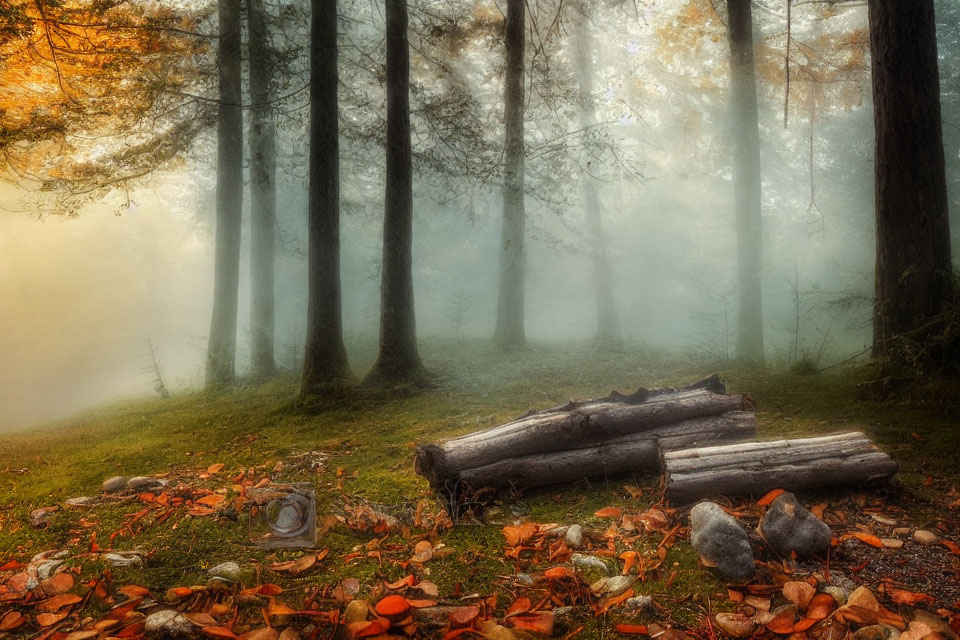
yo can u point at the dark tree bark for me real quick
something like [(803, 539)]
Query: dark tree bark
[(263, 195), (222, 344), (913, 275), (325, 358), (608, 327), (397, 360), (509, 330), (746, 180)]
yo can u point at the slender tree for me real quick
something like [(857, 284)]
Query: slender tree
[(509, 330), (398, 359), (325, 360), (913, 275), (608, 328), (263, 194), (221, 348), (746, 179)]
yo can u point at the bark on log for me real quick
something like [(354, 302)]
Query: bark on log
[(648, 414), (638, 452), (757, 467)]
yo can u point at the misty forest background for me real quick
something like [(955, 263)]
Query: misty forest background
[(578, 173)]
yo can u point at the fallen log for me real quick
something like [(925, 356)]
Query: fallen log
[(755, 468), (648, 415), (633, 453)]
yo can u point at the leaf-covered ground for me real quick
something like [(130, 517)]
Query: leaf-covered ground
[(384, 534)]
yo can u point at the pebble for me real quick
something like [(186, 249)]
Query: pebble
[(638, 603), (839, 593), (140, 483), (48, 568), (225, 570), (167, 623), (735, 625), (123, 559), (574, 536), (721, 541), (589, 562), (40, 518), (925, 537), (114, 484), (618, 584), (891, 543), (787, 527), (356, 611), (83, 501), (525, 579)]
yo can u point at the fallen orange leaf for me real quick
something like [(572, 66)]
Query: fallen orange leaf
[(609, 512)]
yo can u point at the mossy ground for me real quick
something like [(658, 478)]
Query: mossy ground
[(371, 438)]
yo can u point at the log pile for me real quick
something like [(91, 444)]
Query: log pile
[(697, 436), (602, 437), (754, 467)]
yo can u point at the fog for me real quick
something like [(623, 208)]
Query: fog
[(85, 296)]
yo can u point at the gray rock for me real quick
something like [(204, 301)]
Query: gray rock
[(617, 584), (140, 483), (123, 559), (788, 527), (839, 593), (40, 518), (574, 536), (525, 579), (47, 568), (582, 561), (167, 623), (83, 501), (114, 484), (638, 603), (721, 541), (225, 570)]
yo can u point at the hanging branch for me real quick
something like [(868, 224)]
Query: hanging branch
[(813, 207)]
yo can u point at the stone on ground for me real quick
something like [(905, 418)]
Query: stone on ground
[(167, 624), (721, 541), (787, 527), (925, 537), (114, 484)]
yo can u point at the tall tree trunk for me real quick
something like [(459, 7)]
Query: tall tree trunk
[(509, 330), (222, 345), (263, 194), (325, 358), (398, 359), (746, 179), (913, 276), (608, 328)]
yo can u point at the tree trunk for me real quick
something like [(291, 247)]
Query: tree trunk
[(325, 357), (263, 195), (758, 467), (608, 328), (913, 274), (510, 330), (638, 452), (221, 347), (746, 180), (397, 360)]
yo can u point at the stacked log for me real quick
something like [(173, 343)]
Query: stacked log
[(756, 467), (603, 437)]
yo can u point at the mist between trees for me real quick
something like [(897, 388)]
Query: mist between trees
[(696, 176)]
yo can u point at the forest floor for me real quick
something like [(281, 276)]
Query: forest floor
[(383, 532)]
